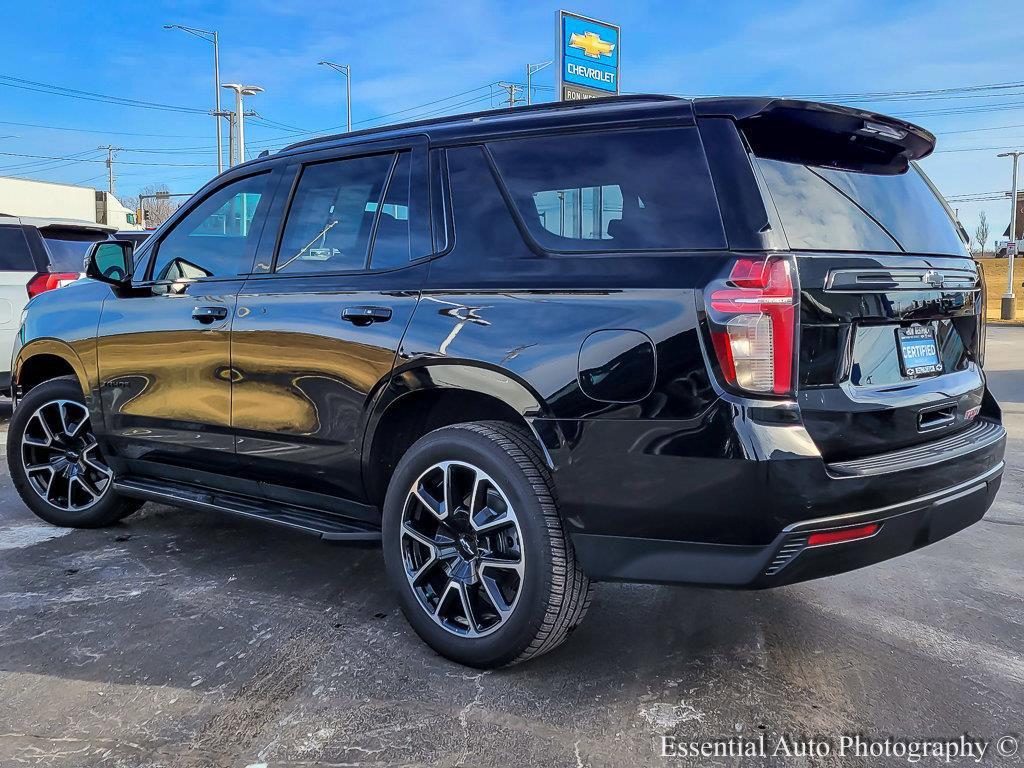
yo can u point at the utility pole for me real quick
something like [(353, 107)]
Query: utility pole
[(210, 37), (531, 70), (231, 138), (345, 70), (227, 114), (1008, 309), (240, 113), (110, 150), (512, 88)]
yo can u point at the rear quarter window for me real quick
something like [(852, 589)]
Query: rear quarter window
[(14, 253), (637, 190)]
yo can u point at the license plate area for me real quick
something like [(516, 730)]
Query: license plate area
[(918, 351)]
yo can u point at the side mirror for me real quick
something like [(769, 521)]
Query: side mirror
[(110, 261)]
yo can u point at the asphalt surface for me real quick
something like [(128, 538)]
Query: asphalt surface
[(183, 639)]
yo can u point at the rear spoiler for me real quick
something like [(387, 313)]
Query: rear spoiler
[(66, 224), (824, 135)]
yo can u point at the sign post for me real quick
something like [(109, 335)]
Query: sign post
[(588, 52)]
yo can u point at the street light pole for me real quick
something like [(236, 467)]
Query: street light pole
[(210, 37), (240, 91), (345, 70), (1008, 310), (216, 80), (531, 70)]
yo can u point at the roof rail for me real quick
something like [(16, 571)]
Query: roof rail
[(489, 113)]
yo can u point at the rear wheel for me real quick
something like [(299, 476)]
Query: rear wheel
[(56, 463), (474, 544)]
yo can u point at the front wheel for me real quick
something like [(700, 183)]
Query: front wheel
[(56, 463), (475, 547)]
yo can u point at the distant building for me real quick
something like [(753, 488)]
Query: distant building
[(26, 197)]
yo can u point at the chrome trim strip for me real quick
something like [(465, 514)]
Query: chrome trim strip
[(912, 505), (977, 437), (908, 279)]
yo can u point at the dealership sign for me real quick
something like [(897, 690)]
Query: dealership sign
[(589, 54)]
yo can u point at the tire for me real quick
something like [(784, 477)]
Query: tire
[(499, 542), (62, 481)]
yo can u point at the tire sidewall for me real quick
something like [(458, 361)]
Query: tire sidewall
[(103, 512), (506, 643)]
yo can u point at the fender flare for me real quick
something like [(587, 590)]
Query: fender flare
[(460, 375), (55, 348)]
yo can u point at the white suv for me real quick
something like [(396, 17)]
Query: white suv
[(37, 255)]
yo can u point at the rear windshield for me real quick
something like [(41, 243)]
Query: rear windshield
[(826, 209), (67, 247), (613, 191)]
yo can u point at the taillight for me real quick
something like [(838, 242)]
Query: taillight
[(752, 318), (47, 281)]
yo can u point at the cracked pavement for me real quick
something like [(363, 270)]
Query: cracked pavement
[(185, 639)]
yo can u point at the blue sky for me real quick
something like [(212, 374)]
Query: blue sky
[(406, 54)]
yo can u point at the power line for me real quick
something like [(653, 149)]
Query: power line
[(976, 149), (978, 130), (110, 133), (74, 93), (36, 164), (125, 162), (930, 91), (966, 110), (975, 194), (386, 115), (28, 174)]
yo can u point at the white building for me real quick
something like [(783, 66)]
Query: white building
[(44, 199)]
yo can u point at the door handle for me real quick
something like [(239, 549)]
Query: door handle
[(366, 315), (207, 315)]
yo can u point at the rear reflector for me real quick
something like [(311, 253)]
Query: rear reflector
[(752, 314), (845, 534), (47, 281)]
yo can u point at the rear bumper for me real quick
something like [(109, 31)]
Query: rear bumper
[(904, 527)]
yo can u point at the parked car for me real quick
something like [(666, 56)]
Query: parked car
[(37, 255), (731, 342)]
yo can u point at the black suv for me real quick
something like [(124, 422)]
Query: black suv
[(733, 342)]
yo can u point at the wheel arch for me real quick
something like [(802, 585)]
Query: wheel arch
[(45, 359), (422, 398)]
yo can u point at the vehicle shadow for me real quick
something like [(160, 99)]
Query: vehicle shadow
[(207, 585), (207, 619)]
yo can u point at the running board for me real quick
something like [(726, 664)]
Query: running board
[(326, 525)]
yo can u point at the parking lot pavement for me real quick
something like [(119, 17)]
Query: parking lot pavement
[(184, 639)]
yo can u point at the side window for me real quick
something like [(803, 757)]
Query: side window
[(332, 214), (403, 226), (14, 253), (214, 239), (632, 190), (391, 240)]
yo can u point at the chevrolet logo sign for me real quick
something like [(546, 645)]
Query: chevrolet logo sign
[(591, 44)]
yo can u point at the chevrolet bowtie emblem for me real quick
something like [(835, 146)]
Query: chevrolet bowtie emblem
[(591, 44)]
